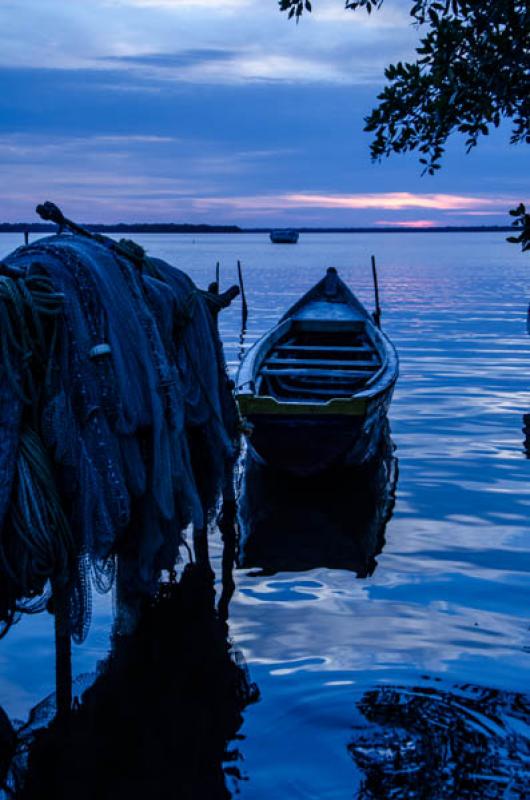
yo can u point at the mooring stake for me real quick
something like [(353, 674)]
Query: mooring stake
[(377, 312), (244, 307), (63, 650)]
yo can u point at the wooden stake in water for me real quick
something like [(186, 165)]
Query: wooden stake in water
[(217, 276), (26, 237), (377, 312), (244, 308), (63, 650)]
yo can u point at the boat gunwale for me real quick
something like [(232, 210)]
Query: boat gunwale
[(379, 383)]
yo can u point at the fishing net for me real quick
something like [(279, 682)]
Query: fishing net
[(117, 423)]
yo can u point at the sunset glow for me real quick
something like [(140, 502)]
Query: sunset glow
[(416, 223), (387, 201)]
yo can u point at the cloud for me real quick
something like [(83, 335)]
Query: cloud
[(482, 213), (112, 177), (206, 41), (234, 67), (182, 58), (393, 201), (177, 5), (389, 16), (37, 148), (133, 139), (415, 223)]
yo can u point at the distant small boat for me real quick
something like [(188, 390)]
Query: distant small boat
[(316, 388), (284, 236)]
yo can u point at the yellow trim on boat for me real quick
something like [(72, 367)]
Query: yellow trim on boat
[(349, 406)]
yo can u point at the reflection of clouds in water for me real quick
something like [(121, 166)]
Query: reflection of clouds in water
[(430, 533), (287, 591), (361, 627)]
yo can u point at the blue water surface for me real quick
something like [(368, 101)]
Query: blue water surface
[(442, 621)]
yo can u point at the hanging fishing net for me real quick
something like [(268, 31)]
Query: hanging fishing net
[(117, 423)]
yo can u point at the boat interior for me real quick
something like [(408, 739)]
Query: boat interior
[(319, 363)]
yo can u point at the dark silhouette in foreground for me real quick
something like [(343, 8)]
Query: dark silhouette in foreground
[(158, 718)]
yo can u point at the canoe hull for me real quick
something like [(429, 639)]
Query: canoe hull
[(308, 444), (315, 389)]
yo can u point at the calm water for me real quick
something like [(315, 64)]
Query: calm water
[(365, 677)]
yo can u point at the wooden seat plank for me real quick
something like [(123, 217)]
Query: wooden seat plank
[(325, 348), (319, 363), (314, 373)]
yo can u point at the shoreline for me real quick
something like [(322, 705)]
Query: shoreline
[(36, 227)]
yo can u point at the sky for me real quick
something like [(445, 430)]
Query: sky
[(222, 111)]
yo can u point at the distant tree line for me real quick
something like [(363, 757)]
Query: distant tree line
[(122, 227), (42, 227)]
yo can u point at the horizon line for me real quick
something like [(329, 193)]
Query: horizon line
[(204, 227)]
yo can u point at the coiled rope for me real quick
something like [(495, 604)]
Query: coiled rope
[(36, 543), (24, 304)]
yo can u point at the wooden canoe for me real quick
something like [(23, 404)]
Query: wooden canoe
[(315, 390)]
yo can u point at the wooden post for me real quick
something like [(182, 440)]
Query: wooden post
[(128, 603), (217, 275), (200, 547), (377, 312), (244, 308), (227, 526), (26, 237), (63, 650)]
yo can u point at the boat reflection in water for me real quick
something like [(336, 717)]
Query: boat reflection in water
[(336, 520), (158, 718), (439, 742)]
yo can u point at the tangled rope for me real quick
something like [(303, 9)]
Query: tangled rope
[(36, 542), (25, 303)]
